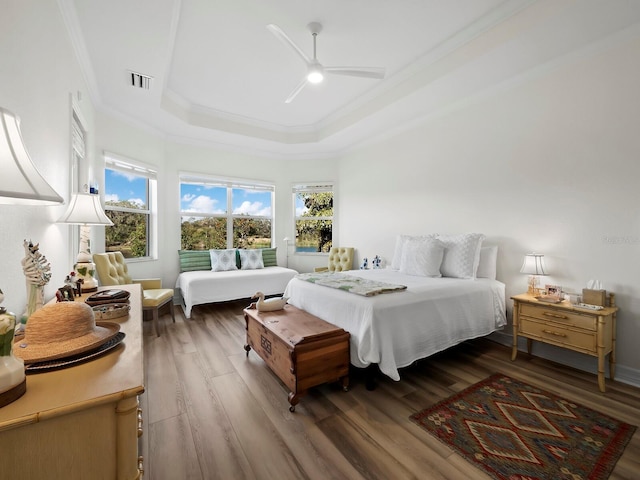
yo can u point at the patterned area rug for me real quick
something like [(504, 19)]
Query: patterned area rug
[(514, 431)]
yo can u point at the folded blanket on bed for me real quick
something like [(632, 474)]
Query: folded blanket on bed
[(349, 283)]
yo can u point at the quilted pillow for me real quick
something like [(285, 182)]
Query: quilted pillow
[(250, 259), (422, 256), (194, 260), (223, 260), (461, 254), (269, 257), (400, 242)]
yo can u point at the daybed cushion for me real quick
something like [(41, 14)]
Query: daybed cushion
[(191, 260), (250, 259), (194, 260)]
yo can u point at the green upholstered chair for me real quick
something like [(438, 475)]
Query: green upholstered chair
[(112, 270), (340, 259)]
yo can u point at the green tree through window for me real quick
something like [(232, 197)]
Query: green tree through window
[(314, 218)]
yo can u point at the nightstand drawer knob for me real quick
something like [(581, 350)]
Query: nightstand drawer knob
[(557, 334), (555, 315)]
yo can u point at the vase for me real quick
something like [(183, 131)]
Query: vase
[(12, 376)]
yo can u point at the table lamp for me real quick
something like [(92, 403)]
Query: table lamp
[(85, 209), (533, 265)]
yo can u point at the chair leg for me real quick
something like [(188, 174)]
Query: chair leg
[(173, 315), (155, 320)]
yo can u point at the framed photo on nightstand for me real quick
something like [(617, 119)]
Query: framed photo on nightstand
[(553, 291)]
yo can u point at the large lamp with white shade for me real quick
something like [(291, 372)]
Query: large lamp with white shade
[(20, 184)]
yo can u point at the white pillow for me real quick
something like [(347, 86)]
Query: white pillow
[(251, 259), (487, 265), (400, 241), (461, 254), (422, 257), (223, 260)]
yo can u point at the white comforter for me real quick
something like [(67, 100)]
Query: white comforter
[(205, 286), (395, 329)]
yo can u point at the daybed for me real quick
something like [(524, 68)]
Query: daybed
[(432, 313), (199, 284)]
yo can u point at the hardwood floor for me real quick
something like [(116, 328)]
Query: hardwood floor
[(212, 413)]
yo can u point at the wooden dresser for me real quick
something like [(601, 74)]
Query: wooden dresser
[(562, 324), (81, 422), (301, 349)]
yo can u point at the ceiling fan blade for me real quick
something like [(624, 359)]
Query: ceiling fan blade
[(367, 72), (296, 91), (284, 38)]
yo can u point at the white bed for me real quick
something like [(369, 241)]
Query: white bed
[(204, 286), (395, 329)]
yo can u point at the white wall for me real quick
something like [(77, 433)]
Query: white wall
[(38, 75), (548, 164)]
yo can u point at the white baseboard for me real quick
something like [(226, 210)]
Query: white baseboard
[(586, 363)]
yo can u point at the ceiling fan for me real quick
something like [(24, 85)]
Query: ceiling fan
[(315, 70)]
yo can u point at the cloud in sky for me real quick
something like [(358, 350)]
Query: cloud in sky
[(253, 208), (201, 203)]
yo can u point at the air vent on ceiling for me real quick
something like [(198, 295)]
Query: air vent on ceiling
[(139, 80)]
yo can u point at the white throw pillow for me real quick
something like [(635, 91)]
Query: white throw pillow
[(223, 260), (461, 254), (422, 257), (488, 263), (251, 259), (400, 242)]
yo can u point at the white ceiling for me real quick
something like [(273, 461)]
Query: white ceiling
[(221, 78)]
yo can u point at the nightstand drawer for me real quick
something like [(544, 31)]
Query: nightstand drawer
[(554, 333), (560, 316)]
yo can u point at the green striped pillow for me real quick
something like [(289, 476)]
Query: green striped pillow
[(269, 257), (191, 260)]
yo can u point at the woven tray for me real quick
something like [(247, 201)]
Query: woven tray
[(97, 299), (109, 311)]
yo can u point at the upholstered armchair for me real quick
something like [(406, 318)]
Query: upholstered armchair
[(112, 270), (340, 259)]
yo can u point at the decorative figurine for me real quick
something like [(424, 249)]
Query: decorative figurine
[(270, 304), (376, 261), (365, 264), (37, 271), (65, 294), (75, 282)]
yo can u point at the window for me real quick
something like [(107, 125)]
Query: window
[(313, 206), (224, 213), (78, 168), (130, 203)]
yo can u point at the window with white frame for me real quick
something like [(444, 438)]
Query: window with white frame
[(225, 213), (131, 204), (313, 210)]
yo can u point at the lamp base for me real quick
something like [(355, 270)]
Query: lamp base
[(85, 271), (13, 393)]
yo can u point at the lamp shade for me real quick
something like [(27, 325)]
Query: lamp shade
[(533, 264), (20, 181), (85, 209)]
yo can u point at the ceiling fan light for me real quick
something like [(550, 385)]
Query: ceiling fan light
[(315, 75)]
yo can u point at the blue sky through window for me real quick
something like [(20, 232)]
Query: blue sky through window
[(213, 199), (121, 186)]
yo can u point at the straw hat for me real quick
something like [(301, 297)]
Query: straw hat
[(61, 330)]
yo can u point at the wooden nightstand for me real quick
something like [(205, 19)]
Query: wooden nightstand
[(587, 331)]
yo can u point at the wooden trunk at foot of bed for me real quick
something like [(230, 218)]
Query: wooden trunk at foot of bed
[(301, 349)]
